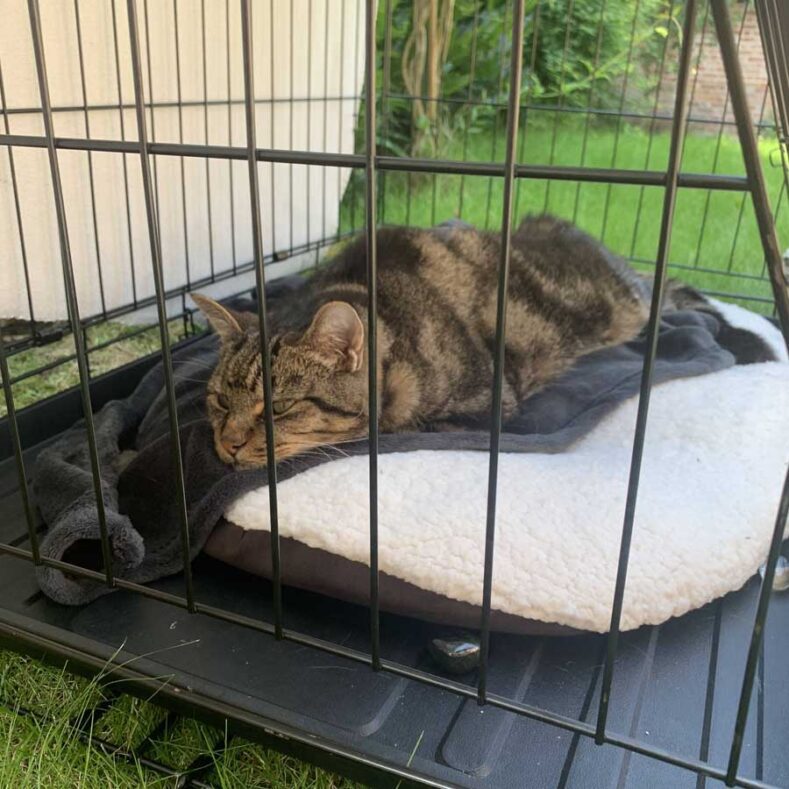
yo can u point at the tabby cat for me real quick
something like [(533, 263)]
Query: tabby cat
[(568, 296)]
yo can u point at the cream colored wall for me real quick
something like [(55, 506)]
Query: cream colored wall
[(328, 62)]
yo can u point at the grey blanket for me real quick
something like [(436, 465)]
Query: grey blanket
[(140, 496)]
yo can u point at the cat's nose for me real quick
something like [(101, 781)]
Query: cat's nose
[(233, 440), (231, 446)]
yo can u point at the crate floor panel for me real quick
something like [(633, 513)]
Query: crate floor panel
[(675, 687)]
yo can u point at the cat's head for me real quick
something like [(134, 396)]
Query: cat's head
[(318, 376)]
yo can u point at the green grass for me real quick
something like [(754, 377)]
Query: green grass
[(128, 344), (40, 746), (723, 251)]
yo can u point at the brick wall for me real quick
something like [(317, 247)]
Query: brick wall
[(708, 81)]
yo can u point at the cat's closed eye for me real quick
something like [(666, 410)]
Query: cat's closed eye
[(281, 406), (220, 401)]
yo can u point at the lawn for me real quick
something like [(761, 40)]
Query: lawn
[(715, 246), (715, 241), (114, 344), (58, 730)]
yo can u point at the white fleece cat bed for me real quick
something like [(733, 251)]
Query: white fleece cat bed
[(716, 453)]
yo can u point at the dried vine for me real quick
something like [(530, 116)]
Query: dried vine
[(424, 55)]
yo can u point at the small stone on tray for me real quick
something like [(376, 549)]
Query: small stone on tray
[(456, 654)]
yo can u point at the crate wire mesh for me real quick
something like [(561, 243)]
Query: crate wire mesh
[(367, 202)]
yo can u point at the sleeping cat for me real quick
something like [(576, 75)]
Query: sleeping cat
[(568, 295)]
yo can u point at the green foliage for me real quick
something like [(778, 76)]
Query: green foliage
[(581, 60), (581, 52)]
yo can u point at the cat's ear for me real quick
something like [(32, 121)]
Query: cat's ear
[(337, 333), (225, 322)]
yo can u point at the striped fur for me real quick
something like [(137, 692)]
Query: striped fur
[(567, 296)]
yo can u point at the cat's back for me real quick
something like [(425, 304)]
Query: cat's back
[(460, 258), (414, 261), (559, 276), (566, 254)]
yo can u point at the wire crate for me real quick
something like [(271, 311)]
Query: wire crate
[(155, 149)]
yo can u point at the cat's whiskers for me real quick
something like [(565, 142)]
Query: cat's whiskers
[(194, 362)]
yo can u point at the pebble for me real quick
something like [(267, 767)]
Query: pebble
[(456, 654)]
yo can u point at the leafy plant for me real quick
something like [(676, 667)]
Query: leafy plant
[(575, 52)]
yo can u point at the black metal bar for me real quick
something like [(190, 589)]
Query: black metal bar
[(547, 108), (158, 278), (654, 119), (163, 105), (117, 312), (765, 221), (592, 85), (408, 192), (672, 182), (433, 199), (272, 68), (730, 183), (757, 635), (618, 131), (129, 234), (781, 194), (325, 113), (709, 699), (719, 140), (701, 269), (353, 191), (209, 201), (249, 267), (744, 197), (93, 575), (565, 49), (260, 280), (85, 343), (230, 137), (471, 76), (70, 286), (532, 63), (773, 20), (21, 345), (182, 163), (91, 179), (155, 163), (372, 324), (290, 119), (309, 120), (386, 89), (341, 108), (500, 86), (516, 69), (753, 168), (83, 726), (696, 70), (24, 490), (18, 210)]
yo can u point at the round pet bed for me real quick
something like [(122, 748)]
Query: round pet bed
[(717, 448)]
